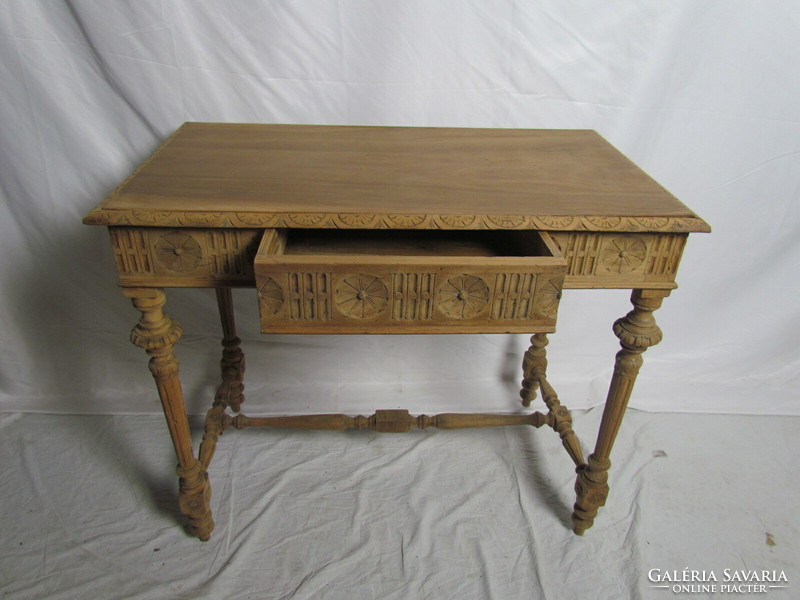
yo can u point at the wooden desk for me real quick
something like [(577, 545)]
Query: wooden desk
[(392, 230)]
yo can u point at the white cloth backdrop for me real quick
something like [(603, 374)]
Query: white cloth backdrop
[(705, 96)]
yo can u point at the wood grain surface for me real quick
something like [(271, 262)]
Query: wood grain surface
[(214, 174)]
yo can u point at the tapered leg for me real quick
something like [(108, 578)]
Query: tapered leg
[(231, 392), (637, 331), (535, 359), (157, 334)]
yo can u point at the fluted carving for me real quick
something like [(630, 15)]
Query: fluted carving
[(157, 334), (636, 331)]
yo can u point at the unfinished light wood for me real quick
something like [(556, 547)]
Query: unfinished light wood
[(157, 334), (388, 421), (230, 175), (194, 213), (408, 282), (231, 390), (188, 257), (533, 362), (194, 257), (620, 260), (637, 331)]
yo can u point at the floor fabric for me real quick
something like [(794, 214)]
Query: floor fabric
[(89, 511)]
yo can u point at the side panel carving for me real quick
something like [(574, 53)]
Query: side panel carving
[(186, 257), (131, 250), (620, 259)]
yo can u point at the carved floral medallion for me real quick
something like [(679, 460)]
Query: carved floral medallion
[(405, 221), (178, 251), (356, 220), (556, 222), (604, 222), (270, 295), (361, 296), (507, 221), (463, 296), (457, 221), (305, 220), (548, 295), (623, 254)]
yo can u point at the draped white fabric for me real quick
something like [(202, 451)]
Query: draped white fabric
[(703, 96), (89, 511)]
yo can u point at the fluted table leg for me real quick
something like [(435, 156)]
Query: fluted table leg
[(157, 334), (637, 331)]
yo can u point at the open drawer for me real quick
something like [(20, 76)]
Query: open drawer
[(407, 281)]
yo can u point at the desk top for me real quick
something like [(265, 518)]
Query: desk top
[(246, 175)]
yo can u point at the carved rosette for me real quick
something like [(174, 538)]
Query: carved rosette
[(556, 223), (147, 217), (270, 295), (405, 221), (178, 251), (361, 296), (356, 220), (548, 296), (457, 221), (200, 219), (507, 221), (603, 223), (463, 296), (652, 223), (103, 216), (305, 220), (623, 254)]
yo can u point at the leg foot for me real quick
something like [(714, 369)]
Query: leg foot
[(591, 488), (194, 500)]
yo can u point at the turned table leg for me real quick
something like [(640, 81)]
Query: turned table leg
[(231, 392), (157, 334), (637, 331), (534, 360)]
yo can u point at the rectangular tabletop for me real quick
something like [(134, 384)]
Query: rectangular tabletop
[(246, 175)]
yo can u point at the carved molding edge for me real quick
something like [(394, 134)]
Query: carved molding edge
[(244, 219)]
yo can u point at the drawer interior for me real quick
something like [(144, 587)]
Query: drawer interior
[(413, 243)]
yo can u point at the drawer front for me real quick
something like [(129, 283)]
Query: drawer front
[(387, 293)]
